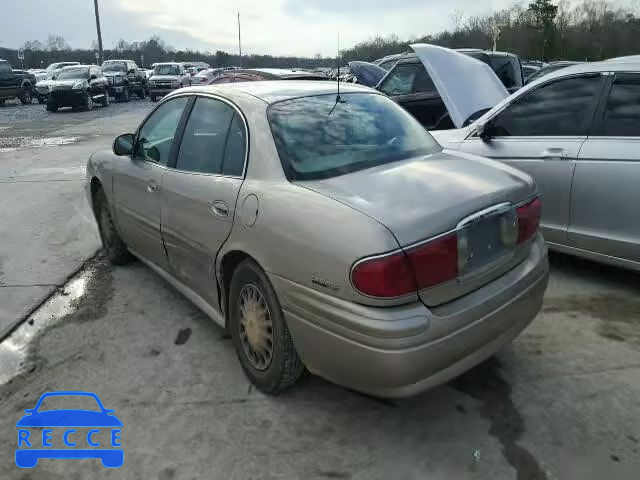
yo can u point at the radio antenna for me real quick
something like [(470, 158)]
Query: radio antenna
[(338, 99)]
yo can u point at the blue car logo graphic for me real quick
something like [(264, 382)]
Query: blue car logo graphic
[(33, 445)]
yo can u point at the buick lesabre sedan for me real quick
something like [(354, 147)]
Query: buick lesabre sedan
[(326, 232)]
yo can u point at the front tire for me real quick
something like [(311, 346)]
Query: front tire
[(113, 245), (51, 106), (42, 100), (87, 102), (105, 100), (26, 97), (125, 96), (141, 93), (260, 335)]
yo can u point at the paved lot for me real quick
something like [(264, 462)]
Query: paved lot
[(560, 403)]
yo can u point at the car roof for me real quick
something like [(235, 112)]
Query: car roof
[(595, 67), (117, 60), (168, 63), (70, 67), (277, 90)]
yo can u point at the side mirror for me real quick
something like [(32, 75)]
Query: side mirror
[(483, 130), (123, 145)]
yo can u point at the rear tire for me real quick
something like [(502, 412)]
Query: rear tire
[(114, 247), (284, 367)]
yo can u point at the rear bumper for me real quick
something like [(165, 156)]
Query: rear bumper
[(402, 351)]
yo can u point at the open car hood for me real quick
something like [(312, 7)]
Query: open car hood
[(466, 85), (367, 73)]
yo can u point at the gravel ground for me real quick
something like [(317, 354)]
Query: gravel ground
[(559, 403), (34, 120)]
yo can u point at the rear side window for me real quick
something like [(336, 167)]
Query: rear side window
[(234, 154), (622, 113), (318, 137), (205, 136), (401, 80), (561, 108), (508, 70)]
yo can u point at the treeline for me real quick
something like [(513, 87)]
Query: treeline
[(542, 29), (55, 49)]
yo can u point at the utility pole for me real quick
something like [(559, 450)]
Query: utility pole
[(95, 5), (239, 41)]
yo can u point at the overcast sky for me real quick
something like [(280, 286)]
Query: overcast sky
[(279, 27)]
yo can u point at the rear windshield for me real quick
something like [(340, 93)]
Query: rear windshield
[(508, 70), (318, 137)]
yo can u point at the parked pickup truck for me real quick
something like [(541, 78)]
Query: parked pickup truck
[(125, 79), (15, 84)]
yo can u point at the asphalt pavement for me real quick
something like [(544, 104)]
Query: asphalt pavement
[(559, 403)]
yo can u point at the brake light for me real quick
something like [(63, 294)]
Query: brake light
[(384, 277), (528, 219), (401, 274), (435, 262)]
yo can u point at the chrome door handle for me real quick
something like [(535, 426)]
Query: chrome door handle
[(219, 209), (152, 187), (554, 153)]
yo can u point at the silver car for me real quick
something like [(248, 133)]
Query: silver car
[(576, 131), (325, 231)]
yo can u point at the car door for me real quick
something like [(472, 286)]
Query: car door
[(410, 86), (137, 183), (541, 133), (199, 195), (7, 80), (605, 217)]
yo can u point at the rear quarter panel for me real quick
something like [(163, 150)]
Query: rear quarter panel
[(305, 237)]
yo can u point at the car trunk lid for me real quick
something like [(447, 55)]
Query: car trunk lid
[(425, 197)]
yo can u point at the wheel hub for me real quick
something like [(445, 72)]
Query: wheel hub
[(256, 329)]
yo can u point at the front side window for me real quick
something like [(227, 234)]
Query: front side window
[(622, 113), (508, 70), (205, 137), (561, 108), (155, 138), (318, 137), (406, 79)]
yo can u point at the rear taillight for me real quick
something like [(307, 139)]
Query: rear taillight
[(432, 263), (435, 262), (384, 277), (528, 219), (401, 274)]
